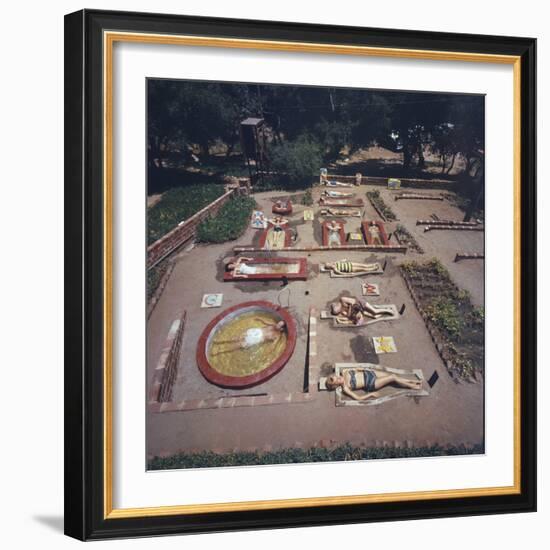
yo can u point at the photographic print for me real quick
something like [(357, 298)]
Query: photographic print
[(315, 274), (276, 279)]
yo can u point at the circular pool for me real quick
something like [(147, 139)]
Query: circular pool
[(232, 354)]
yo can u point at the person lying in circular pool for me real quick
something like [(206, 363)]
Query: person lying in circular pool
[(369, 381), (356, 310), (255, 336)]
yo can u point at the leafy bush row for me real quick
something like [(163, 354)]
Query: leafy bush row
[(378, 202), (229, 223), (346, 452), (177, 205)]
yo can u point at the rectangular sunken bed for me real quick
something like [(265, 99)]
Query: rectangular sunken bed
[(299, 273), (265, 234), (367, 235), (326, 233), (343, 203)]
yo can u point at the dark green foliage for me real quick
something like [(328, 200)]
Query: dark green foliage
[(378, 201), (344, 452), (178, 205), (229, 223), (307, 198), (188, 118), (444, 312), (298, 160), (182, 114)]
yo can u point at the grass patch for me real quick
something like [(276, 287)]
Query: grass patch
[(178, 205), (208, 459), (447, 309), (406, 238), (378, 202), (229, 223)]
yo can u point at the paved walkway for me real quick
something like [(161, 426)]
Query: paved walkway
[(452, 414)]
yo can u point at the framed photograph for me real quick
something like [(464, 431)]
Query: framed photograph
[(300, 274)]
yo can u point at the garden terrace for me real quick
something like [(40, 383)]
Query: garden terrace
[(201, 416)]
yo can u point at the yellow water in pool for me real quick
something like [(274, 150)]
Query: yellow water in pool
[(243, 362)]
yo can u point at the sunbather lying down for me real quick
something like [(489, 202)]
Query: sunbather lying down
[(369, 381), (357, 310), (345, 267)]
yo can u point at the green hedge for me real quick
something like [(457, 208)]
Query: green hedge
[(208, 459), (178, 205), (229, 223)]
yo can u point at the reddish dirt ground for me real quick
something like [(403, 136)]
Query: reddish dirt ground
[(451, 414)]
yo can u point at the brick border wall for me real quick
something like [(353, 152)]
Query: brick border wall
[(160, 390), (185, 231), (368, 247), (160, 289), (313, 362), (405, 182)]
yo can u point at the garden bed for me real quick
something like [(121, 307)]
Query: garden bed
[(177, 205), (380, 206), (404, 237), (229, 223), (455, 325)]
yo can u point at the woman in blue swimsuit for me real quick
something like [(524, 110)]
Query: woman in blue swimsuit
[(369, 381)]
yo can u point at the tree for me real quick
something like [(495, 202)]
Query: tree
[(299, 160)]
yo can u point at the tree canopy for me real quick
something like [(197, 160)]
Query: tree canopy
[(185, 115)]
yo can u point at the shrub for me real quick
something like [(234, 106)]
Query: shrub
[(437, 267), (229, 223), (445, 314), (344, 452), (307, 198), (411, 268), (299, 159), (477, 317)]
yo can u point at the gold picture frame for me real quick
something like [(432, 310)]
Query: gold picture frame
[(98, 31)]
